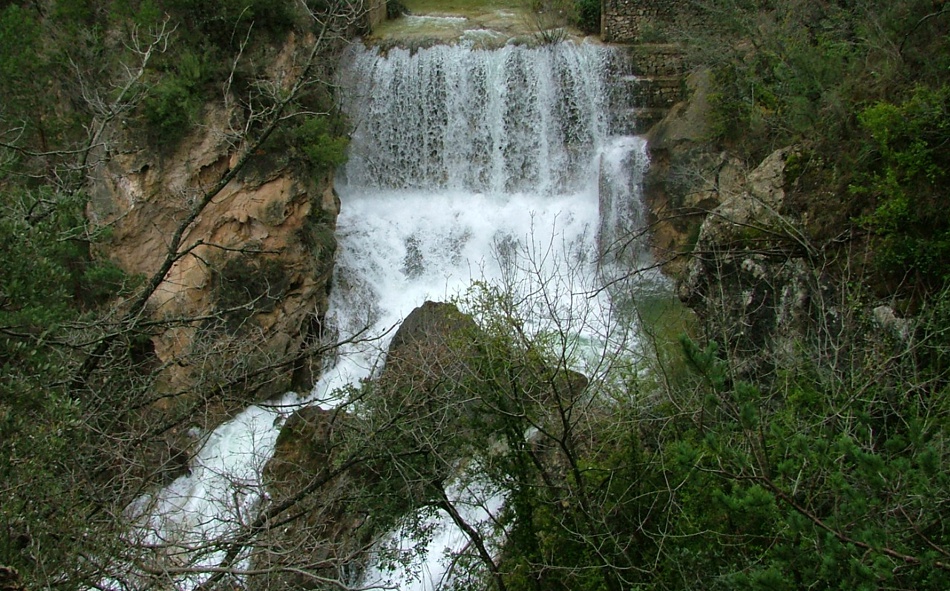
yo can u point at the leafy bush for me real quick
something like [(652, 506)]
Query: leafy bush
[(225, 22), (19, 35), (802, 69), (48, 275), (587, 16), (76, 13), (171, 108), (175, 101), (321, 142), (22, 64), (908, 176)]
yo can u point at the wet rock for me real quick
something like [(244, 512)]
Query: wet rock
[(686, 179), (324, 528)]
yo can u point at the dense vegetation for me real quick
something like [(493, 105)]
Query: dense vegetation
[(863, 85), (827, 470), (831, 474)]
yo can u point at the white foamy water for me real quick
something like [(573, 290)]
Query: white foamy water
[(477, 504), (465, 165)]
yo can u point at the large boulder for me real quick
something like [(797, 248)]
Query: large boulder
[(749, 278), (324, 527), (442, 368), (431, 359), (339, 469), (351, 475)]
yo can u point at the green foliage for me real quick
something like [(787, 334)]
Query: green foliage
[(787, 86), (908, 179), (207, 36), (322, 142), (22, 67), (224, 23), (802, 69), (316, 143), (174, 103), (800, 480), (47, 282), (19, 38), (46, 270), (829, 474), (144, 14), (588, 16), (863, 85), (76, 13), (171, 108)]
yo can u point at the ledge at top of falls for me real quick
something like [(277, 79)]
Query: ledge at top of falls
[(487, 27)]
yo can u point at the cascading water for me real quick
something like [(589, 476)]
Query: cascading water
[(461, 162), (458, 152), (501, 122)]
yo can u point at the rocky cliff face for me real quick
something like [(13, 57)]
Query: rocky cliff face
[(750, 277), (733, 239), (240, 308)]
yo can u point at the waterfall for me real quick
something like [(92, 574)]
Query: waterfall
[(461, 158), (502, 121), (461, 161), (457, 152)]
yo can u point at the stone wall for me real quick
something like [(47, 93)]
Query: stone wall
[(645, 81), (641, 21), (375, 13)]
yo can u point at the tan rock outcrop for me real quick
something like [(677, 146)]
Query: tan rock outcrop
[(249, 287), (685, 180), (749, 278)]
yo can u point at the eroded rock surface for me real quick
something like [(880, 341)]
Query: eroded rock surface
[(284, 218), (243, 302), (749, 277), (731, 238)]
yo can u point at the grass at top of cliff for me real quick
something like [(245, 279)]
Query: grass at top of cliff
[(530, 14), (466, 8)]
